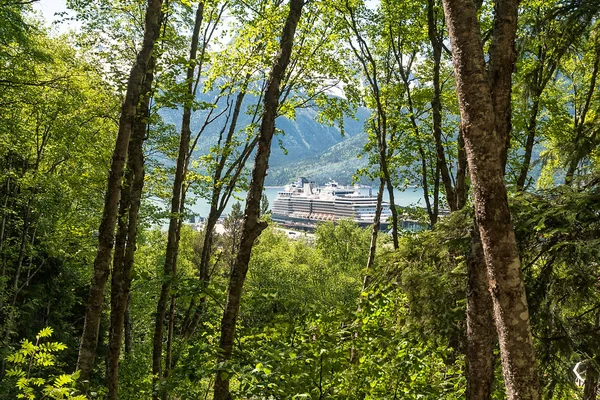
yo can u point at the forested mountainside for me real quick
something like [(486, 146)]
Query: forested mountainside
[(303, 146), (110, 132)]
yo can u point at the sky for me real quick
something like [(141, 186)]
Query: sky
[(48, 9)]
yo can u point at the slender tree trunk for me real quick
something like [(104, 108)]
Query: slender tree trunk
[(461, 189), (374, 232), (390, 189), (12, 313), (578, 147), (128, 328), (198, 306), (370, 262), (405, 76), (424, 181), (590, 388), (484, 101), (363, 53), (177, 203), (252, 227), (436, 105), (481, 335), (169, 352), (217, 205), (126, 238), (531, 131), (89, 339)]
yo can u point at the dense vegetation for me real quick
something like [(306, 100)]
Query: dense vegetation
[(110, 132)]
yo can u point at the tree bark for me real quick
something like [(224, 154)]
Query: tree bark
[(484, 100), (177, 203), (480, 328), (252, 227), (461, 188), (590, 388), (502, 57), (125, 243), (89, 339), (128, 328)]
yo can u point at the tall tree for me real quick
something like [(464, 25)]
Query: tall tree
[(101, 270), (548, 34), (193, 72), (484, 99), (252, 227), (125, 241), (378, 78)]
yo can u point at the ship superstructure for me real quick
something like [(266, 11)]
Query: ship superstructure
[(304, 204)]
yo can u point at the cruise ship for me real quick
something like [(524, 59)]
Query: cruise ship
[(302, 204)]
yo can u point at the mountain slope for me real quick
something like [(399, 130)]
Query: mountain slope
[(314, 150)]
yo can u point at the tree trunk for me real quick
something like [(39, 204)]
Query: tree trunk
[(390, 189), (370, 262), (531, 130), (502, 57), (252, 227), (125, 243), (590, 388), (461, 188), (484, 101), (217, 206), (480, 328), (424, 181), (579, 150), (374, 232), (169, 352), (89, 339), (128, 328), (436, 106), (177, 204)]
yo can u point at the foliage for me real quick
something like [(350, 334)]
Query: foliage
[(303, 308), (34, 357)]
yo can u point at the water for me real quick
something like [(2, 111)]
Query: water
[(407, 197)]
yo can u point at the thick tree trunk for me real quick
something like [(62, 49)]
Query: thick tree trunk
[(481, 335), (125, 243), (252, 227), (89, 339), (177, 203), (485, 112)]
